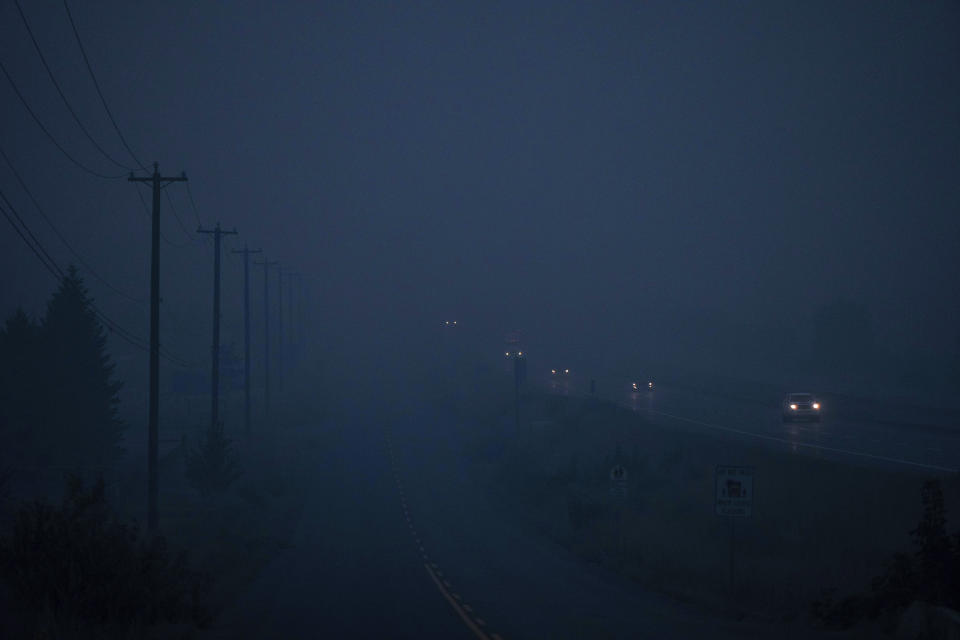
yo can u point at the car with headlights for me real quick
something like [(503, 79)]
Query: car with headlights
[(636, 387), (801, 406)]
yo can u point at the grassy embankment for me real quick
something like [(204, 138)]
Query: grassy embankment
[(817, 524)]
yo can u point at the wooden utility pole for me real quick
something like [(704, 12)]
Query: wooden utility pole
[(292, 329), (157, 182), (246, 334), (215, 350), (292, 319), (280, 329), (300, 311), (266, 332)]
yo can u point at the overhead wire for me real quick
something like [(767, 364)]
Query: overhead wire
[(23, 230), (193, 204), (96, 84), (176, 215), (50, 264), (63, 97), (76, 254), (52, 268), (33, 238), (35, 246), (49, 135), (146, 210)]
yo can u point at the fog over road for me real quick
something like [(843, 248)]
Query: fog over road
[(391, 486), (870, 439), (853, 430)]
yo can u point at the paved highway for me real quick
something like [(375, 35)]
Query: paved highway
[(852, 429), (398, 540)]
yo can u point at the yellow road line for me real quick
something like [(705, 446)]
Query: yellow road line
[(456, 607)]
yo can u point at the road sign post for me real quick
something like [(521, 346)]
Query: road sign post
[(734, 499), (618, 489)]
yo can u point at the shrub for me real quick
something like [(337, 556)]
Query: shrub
[(929, 574), (79, 567), (211, 468)]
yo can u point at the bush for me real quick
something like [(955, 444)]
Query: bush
[(77, 567), (211, 469), (930, 574)]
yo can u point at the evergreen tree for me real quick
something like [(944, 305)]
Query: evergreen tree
[(211, 468), (933, 545), (80, 421), (20, 384)]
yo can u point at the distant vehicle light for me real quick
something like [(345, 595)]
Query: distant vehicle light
[(507, 354), (816, 405), (519, 353), (793, 407), (650, 384), (635, 386), (566, 370), (553, 372)]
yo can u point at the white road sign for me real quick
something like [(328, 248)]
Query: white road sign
[(618, 482), (734, 491)]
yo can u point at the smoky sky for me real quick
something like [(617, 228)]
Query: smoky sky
[(588, 169)]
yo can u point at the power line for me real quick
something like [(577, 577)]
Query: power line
[(75, 253), (50, 264), (53, 269), (63, 97), (193, 205), (96, 84), (176, 215), (33, 238), (146, 209), (47, 261), (43, 128)]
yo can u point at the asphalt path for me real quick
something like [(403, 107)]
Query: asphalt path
[(400, 540)]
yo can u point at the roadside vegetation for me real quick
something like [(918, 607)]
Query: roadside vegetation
[(819, 527), (75, 560)]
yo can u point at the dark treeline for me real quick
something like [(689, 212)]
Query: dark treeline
[(58, 408), (78, 568)]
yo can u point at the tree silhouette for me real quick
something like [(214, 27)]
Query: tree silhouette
[(20, 382), (80, 409), (211, 468), (934, 561)]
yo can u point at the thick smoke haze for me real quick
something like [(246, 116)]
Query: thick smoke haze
[(673, 182), (598, 319)]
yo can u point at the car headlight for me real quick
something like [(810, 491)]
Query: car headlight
[(816, 405), (793, 407)]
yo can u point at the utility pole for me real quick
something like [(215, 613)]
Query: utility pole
[(301, 305), (266, 332), (215, 351), (291, 316), (292, 320), (280, 329), (246, 334), (519, 374), (157, 182)]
